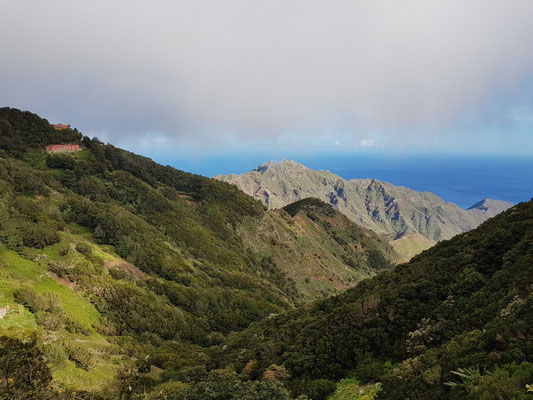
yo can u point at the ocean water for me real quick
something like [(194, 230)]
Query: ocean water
[(462, 179)]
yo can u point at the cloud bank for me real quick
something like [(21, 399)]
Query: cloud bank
[(207, 73)]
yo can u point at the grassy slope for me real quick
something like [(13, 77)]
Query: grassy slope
[(18, 272), (411, 244), (465, 303), (320, 250), (305, 253)]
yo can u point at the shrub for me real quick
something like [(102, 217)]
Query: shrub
[(75, 327), (23, 370), (276, 373), (29, 297), (119, 274), (60, 161), (49, 321), (80, 355), (84, 249), (370, 370), (172, 390), (317, 389), (55, 354)]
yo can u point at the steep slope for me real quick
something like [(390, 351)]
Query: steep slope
[(419, 219), (490, 207), (455, 322), (319, 249), (110, 259)]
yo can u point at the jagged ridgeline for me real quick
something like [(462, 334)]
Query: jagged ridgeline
[(411, 221), (120, 273), (456, 322)]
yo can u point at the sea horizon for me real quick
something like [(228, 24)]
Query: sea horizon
[(460, 179)]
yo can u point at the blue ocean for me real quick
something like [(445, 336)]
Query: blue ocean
[(462, 179)]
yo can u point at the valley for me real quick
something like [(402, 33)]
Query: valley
[(109, 258), (124, 279)]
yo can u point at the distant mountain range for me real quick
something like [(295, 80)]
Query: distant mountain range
[(412, 221)]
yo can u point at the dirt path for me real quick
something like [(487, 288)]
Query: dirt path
[(62, 281)]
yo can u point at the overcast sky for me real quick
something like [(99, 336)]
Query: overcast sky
[(450, 75)]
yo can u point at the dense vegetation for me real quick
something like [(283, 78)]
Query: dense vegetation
[(455, 322), (378, 256), (124, 276), (128, 279)]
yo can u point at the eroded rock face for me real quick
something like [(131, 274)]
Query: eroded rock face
[(418, 219)]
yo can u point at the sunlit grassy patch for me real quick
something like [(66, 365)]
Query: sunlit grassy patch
[(74, 304), (98, 377), (18, 267), (351, 389), (28, 272)]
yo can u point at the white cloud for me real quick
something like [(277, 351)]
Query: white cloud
[(367, 143), (214, 73)]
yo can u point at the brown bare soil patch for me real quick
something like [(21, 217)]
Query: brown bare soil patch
[(342, 286), (338, 220), (62, 281), (125, 266), (357, 248), (299, 226), (299, 219), (188, 199)]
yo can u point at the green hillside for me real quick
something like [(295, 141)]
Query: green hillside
[(122, 274), (456, 322), (317, 247), (126, 279)]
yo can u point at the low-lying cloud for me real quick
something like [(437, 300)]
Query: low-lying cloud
[(239, 72)]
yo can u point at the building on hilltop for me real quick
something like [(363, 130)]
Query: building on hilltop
[(62, 148), (4, 311), (60, 127)]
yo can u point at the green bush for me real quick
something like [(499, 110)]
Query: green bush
[(119, 274), (370, 370), (49, 321), (228, 386), (55, 354), (79, 354), (61, 161), (24, 374), (75, 327), (317, 389), (507, 382), (84, 249)]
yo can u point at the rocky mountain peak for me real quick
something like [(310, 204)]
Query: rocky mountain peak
[(491, 206), (283, 165)]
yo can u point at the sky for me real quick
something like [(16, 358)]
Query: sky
[(171, 78)]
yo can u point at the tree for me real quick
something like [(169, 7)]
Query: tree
[(23, 370)]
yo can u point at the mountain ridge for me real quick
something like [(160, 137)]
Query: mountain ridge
[(380, 206)]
